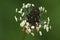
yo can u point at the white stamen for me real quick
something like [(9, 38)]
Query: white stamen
[(44, 22), (27, 25), (40, 8), (32, 34), (45, 11), (32, 27), (22, 23), (20, 18), (40, 33), (47, 29), (50, 27), (37, 28), (15, 18), (28, 30), (16, 10), (23, 14), (45, 26), (40, 26), (23, 5), (28, 4), (19, 11), (33, 5), (48, 20)]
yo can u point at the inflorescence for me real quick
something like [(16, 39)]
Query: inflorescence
[(30, 19)]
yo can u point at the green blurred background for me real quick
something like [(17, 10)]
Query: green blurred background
[(10, 30)]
